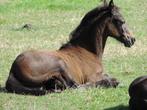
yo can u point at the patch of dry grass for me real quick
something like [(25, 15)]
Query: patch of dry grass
[(4, 1)]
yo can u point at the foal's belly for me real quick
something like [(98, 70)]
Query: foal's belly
[(37, 66)]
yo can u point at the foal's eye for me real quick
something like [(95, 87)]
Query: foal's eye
[(120, 22)]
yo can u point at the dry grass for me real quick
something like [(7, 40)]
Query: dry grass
[(138, 49), (4, 1)]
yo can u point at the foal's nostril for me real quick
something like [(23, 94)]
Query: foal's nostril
[(133, 40)]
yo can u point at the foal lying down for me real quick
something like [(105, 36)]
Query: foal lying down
[(76, 63)]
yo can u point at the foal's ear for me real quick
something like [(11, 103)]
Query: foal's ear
[(105, 2), (111, 4)]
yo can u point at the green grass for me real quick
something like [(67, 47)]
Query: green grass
[(52, 21)]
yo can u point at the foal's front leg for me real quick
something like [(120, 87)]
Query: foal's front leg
[(86, 85), (107, 81)]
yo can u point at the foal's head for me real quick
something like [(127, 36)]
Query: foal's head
[(103, 21), (116, 26)]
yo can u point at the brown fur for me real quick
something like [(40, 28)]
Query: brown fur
[(78, 61)]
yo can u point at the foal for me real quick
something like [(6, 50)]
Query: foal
[(77, 62)]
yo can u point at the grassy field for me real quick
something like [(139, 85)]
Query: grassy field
[(52, 21)]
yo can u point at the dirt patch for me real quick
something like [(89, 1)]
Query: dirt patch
[(3, 1)]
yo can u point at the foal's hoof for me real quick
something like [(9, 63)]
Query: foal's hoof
[(108, 83), (114, 82)]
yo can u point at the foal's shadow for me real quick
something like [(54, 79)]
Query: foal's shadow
[(119, 107), (3, 90)]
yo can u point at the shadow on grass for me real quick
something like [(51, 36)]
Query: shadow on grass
[(119, 107), (3, 90)]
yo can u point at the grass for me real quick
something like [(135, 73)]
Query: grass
[(52, 21)]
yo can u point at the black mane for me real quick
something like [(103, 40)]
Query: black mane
[(87, 21)]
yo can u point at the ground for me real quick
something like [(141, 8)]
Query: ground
[(52, 21)]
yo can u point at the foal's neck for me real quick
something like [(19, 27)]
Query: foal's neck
[(92, 39), (99, 40), (100, 43)]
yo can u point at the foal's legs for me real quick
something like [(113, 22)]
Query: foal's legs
[(107, 81), (61, 80), (59, 83), (14, 86)]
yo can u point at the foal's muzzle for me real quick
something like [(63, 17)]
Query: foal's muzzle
[(128, 42)]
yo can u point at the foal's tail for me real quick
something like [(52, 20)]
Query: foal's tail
[(15, 86)]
